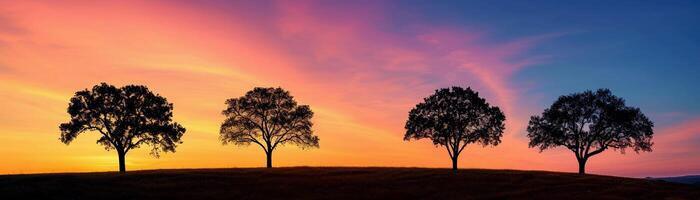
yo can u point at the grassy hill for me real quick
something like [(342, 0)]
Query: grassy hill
[(337, 183)]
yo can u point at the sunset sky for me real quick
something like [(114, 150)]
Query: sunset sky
[(360, 65)]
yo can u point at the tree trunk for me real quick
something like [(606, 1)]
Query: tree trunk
[(122, 165), (269, 159), (454, 163), (582, 166)]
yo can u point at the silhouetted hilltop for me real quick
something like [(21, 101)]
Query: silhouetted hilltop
[(693, 180), (337, 183)]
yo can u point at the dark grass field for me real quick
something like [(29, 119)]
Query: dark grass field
[(337, 183)]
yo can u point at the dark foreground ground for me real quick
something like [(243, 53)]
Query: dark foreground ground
[(337, 183)]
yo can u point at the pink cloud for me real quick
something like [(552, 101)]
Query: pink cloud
[(675, 152), (683, 132), (350, 49)]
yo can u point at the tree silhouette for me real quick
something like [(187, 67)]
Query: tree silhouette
[(454, 118), (267, 117), (127, 118), (588, 123)]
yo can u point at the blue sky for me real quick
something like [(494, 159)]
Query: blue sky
[(645, 51)]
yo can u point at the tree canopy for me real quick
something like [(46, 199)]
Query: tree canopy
[(588, 123), (126, 117), (454, 117), (267, 117)]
